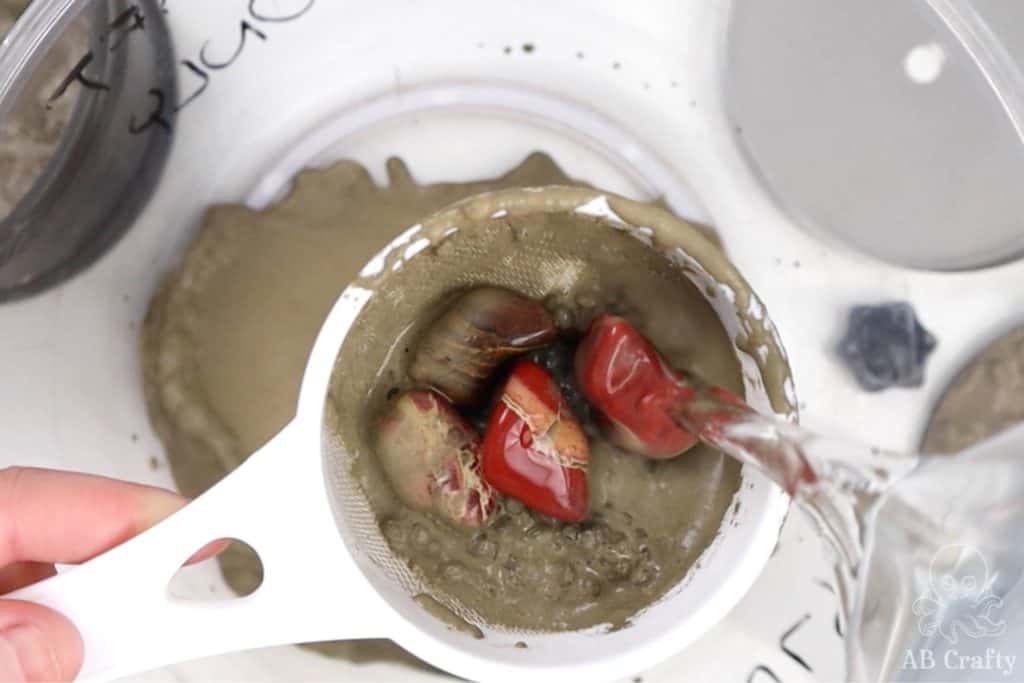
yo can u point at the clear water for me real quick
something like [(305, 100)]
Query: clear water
[(929, 549)]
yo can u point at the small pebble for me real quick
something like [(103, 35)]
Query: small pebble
[(592, 538), (588, 587), (520, 232), (454, 571), (641, 576), (484, 547), (420, 537), (564, 318), (616, 537)]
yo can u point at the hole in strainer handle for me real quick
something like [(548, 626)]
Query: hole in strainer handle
[(276, 503)]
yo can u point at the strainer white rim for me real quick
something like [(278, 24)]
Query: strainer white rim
[(450, 650)]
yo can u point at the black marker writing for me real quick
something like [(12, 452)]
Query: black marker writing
[(203, 77), (155, 118), (264, 16), (127, 22), (78, 75), (246, 29), (762, 669), (785, 636), (133, 19)]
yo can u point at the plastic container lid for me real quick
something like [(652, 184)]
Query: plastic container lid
[(893, 127)]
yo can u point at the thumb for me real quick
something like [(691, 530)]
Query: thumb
[(37, 644)]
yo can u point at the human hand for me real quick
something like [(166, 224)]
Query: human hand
[(47, 517)]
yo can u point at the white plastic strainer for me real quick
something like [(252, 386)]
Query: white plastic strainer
[(290, 500)]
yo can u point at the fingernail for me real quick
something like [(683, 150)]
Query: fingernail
[(157, 506), (26, 655)]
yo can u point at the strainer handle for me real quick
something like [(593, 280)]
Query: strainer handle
[(277, 503)]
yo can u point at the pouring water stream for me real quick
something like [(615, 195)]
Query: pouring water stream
[(929, 576)]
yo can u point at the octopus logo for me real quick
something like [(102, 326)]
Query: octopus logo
[(959, 598)]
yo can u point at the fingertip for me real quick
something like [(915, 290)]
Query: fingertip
[(51, 516), (37, 644), (157, 505), (209, 550)]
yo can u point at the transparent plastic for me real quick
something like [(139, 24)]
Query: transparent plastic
[(927, 557), (893, 128), (81, 162)]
